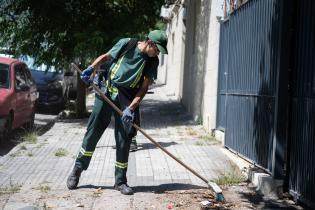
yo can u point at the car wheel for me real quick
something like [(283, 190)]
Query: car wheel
[(8, 126), (30, 125)]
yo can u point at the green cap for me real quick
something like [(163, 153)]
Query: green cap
[(160, 39)]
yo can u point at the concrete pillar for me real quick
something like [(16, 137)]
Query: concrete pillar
[(211, 72)]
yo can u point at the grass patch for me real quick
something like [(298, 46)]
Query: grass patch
[(199, 143), (23, 147), (46, 207), (21, 152), (191, 131), (230, 177), (44, 188), (198, 120), (97, 193), (17, 153), (60, 152), (207, 140), (11, 189), (30, 137)]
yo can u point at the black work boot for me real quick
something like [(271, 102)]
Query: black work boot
[(124, 189), (73, 179)]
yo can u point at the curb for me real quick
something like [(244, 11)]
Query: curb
[(262, 181)]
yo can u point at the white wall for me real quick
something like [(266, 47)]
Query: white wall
[(190, 70), (211, 73), (171, 72), (198, 21)]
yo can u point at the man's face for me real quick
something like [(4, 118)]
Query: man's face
[(152, 49)]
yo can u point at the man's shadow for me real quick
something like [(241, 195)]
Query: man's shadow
[(157, 189)]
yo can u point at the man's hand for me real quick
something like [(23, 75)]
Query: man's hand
[(128, 116), (85, 75)]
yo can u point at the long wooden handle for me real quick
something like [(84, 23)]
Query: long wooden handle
[(142, 131)]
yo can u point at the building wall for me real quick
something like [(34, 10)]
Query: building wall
[(209, 108), (171, 65), (190, 69), (198, 14)]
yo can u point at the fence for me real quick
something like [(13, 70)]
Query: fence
[(266, 93)]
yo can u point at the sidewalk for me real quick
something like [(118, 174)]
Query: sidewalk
[(42, 175)]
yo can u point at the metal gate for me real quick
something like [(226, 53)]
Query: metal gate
[(248, 67), (263, 119), (302, 130)]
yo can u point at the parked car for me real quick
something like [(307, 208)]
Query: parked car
[(50, 85), (51, 89), (70, 78), (17, 95)]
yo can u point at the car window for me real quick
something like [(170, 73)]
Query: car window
[(29, 78), (20, 78), (4, 76)]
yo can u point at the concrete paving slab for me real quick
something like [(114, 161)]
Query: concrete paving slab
[(162, 118)]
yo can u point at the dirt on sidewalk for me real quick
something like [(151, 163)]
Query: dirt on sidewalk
[(239, 196)]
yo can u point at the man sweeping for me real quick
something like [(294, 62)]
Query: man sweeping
[(133, 70)]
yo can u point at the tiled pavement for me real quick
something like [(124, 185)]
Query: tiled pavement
[(162, 118)]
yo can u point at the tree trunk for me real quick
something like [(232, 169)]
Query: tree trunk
[(81, 98)]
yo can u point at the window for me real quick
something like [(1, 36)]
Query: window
[(4, 76), (20, 78), (29, 78)]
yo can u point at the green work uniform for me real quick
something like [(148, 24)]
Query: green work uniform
[(126, 73)]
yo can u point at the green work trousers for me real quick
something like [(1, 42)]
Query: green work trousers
[(98, 122)]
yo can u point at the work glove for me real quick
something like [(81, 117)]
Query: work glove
[(128, 116), (86, 74), (127, 120)]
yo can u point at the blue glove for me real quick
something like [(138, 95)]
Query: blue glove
[(85, 75), (127, 120), (128, 116)]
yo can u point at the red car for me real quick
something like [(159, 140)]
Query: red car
[(17, 95)]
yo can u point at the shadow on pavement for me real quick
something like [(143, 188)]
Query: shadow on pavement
[(72, 118), (9, 142), (155, 189), (260, 202), (154, 114), (48, 111), (16, 136), (166, 187), (89, 186), (147, 146), (44, 126), (160, 114)]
